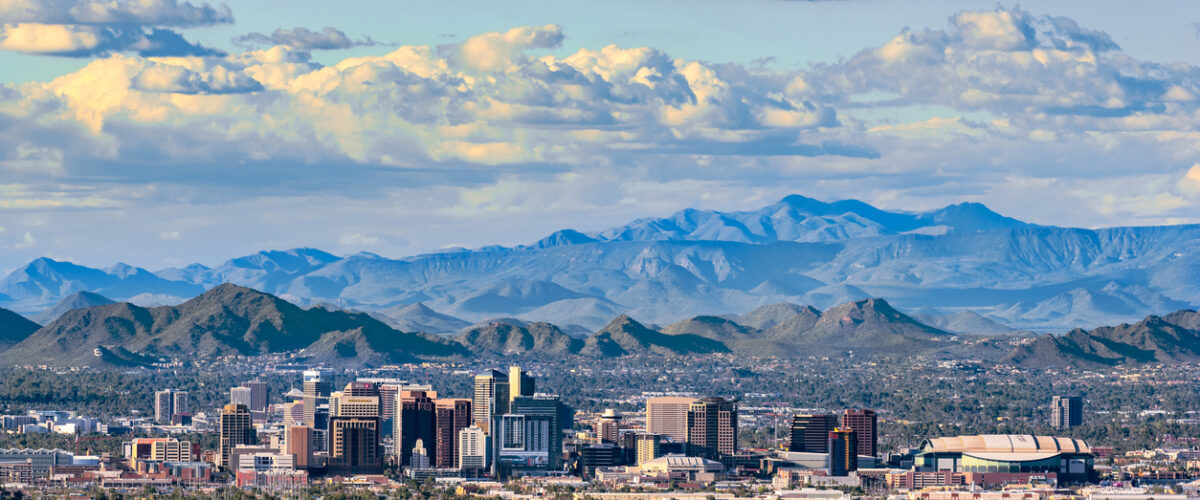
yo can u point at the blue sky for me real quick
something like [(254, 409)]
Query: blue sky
[(167, 132)]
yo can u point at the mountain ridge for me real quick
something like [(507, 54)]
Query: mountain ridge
[(707, 262)]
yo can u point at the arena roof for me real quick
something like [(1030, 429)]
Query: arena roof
[(1005, 443)]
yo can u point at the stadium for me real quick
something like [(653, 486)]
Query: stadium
[(1071, 459)]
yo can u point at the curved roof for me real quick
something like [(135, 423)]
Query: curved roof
[(1012, 457), (668, 462), (1005, 443)]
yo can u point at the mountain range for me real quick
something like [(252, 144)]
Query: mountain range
[(231, 320), (965, 264)]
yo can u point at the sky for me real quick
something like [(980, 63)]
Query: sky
[(163, 132)]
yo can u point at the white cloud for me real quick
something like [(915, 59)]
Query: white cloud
[(357, 240), (86, 28), (510, 126), (170, 235), (145, 12), (329, 38), (1190, 182)]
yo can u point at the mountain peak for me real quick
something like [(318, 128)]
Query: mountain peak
[(564, 237)]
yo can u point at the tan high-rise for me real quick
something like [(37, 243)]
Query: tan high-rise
[(297, 441), (667, 416)]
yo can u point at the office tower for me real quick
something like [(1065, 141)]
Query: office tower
[(317, 387), (450, 417), (712, 427), (490, 399), (293, 413), (259, 399), (864, 423), (162, 406), (297, 440), (541, 426), (600, 455), (810, 433), (354, 445), (607, 426), (236, 429), (240, 396), (1066, 412), (667, 416), (179, 402), (842, 455), (472, 448), (354, 430), (520, 383), (387, 401), (648, 447), (419, 456), (415, 419)]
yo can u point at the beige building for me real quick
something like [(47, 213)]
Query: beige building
[(667, 416), (647, 447)]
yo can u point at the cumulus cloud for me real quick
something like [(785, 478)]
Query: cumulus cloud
[(71, 40), (1018, 110), (209, 78), (88, 28), (329, 38)]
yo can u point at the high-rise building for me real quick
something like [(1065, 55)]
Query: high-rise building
[(415, 419), (607, 426), (354, 430), (298, 441), (595, 456), (387, 402), (534, 432), (179, 402), (490, 399), (236, 428), (293, 413), (259, 398), (472, 447), (240, 396), (162, 406), (842, 455), (317, 387), (419, 456), (450, 417), (354, 445), (667, 417), (520, 383), (1066, 412), (648, 447), (810, 433), (865, 424), (712, 427)]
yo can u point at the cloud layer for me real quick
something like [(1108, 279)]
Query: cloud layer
[(329, 38), (88, 28), (1036, 115)]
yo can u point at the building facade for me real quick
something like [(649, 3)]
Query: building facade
[(843, 452), (236, 428), (451, 416), (415, 419), (712, 428), (491, 398), (865, 425), (810, 433), (1066, 412), (667, 417)]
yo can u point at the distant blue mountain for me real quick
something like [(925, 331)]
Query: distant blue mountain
[(963, 257), (800, 219)]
